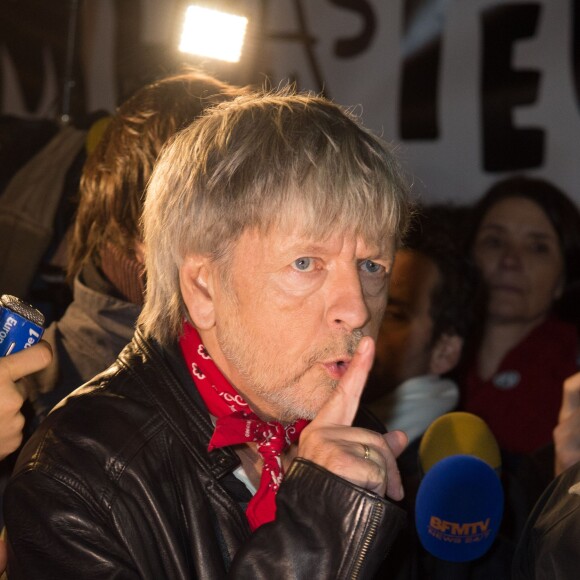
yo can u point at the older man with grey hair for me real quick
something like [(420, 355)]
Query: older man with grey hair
[(223, 441)]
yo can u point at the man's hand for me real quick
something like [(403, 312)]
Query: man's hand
[(332, 442), (12, 368), (567, 432)]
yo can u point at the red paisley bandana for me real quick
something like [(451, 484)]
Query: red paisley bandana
[(237, 423)]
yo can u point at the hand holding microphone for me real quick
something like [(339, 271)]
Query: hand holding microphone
[(459, 503), (20, 330), (21, 325)]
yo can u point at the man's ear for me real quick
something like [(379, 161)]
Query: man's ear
[(445, 354), (196, 289)]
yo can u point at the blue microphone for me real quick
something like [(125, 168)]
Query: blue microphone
[(459, 504), (21, 325)]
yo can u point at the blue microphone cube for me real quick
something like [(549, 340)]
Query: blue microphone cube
[(21, 325)]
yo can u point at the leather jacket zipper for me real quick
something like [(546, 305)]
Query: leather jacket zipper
[(376, 517)]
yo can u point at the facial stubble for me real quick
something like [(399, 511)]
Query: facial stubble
[(267, 378)]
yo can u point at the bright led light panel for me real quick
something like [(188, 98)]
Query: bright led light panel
[(213, 34)]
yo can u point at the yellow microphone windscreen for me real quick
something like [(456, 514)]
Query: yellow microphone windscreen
[(458, 433)]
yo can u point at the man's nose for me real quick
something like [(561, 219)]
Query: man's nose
[(347, 306)]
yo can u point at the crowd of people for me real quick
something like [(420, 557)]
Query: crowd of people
[(246, 267)]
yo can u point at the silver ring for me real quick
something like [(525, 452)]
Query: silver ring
[(367, 454)]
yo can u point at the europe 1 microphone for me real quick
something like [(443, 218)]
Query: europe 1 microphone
[(21, 325)]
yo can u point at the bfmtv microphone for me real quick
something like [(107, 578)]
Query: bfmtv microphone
[(460, 500), (21, 325)]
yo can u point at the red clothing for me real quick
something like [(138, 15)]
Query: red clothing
[(520, 403)]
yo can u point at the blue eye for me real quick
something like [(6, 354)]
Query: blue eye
[(370, 266), (303, 264)]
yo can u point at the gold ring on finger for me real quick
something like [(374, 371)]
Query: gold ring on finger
[(367, 454)]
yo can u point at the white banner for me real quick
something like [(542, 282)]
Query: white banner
[(471, 90)]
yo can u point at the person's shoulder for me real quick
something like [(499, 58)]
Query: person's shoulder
[(559, 343), (548, 548), (111, 420), (560, 504), (554, 343), (107, 417), (563, 328), (96, 420)]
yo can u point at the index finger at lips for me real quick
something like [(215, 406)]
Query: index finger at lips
[(30, 360), (342, 405), (570, 397)]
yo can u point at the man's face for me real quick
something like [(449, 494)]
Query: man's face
[(289, 318), (404, 344)]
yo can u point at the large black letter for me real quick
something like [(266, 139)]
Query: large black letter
[(422, 30), (505, 147), (576, 47), (346, 48)]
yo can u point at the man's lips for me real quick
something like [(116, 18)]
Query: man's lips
[(336, 368)]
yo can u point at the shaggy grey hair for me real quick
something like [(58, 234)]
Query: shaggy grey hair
[(264, 160)]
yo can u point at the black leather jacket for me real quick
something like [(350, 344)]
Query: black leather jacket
[(118, 483), (550, 544)]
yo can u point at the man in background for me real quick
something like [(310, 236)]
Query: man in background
[(427, 318)]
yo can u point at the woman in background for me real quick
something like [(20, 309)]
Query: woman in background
[(525, 240)]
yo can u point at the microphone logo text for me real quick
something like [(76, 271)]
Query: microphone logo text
[(9, 323), (459, 532)]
